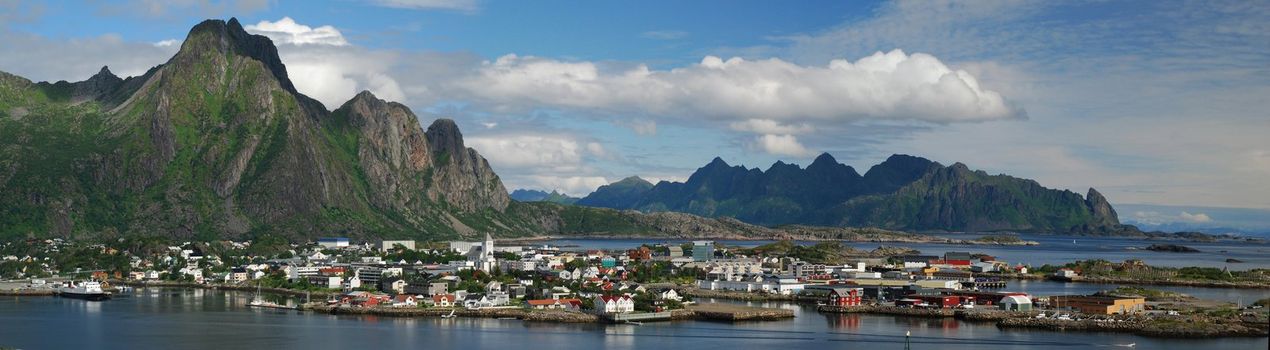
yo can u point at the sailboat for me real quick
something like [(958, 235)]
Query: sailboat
[(451, 315), (257, 301)]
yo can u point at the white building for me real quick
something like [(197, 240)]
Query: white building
[(386, 245), (609, 305)]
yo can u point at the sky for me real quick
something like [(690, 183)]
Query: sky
[(1160, 103)]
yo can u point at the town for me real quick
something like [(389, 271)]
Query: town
[(647, 283)]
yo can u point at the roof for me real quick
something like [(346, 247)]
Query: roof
[(1015, 299)]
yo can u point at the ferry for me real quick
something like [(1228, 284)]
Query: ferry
[(87, 290)]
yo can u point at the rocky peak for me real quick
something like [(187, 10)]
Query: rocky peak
[(1101, 209), (230, 38), (445, 138), (823, 160)]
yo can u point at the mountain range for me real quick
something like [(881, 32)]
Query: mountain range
[(217, 143), (902, 193), (523, 195)]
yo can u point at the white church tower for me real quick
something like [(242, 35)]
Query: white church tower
[(488, 262)]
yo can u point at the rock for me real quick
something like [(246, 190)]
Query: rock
[(1172, 248)]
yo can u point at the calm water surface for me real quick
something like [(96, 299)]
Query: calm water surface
[(1055, 250), (200, 319)]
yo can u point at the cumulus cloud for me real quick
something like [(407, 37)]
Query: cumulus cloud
[(457, 5), (892, 85), (787, 145), (43, 58), (1196, 218), (530, 151), (287, 31), (1158, 218)]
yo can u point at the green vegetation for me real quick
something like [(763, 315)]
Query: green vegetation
[(830, 252)]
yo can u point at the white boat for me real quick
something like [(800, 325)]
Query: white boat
[(451, 315), (258, 302), (87, 290)]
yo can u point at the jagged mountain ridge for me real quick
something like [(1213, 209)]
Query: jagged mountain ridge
[(217, 141), (903, 192), (526, 195)]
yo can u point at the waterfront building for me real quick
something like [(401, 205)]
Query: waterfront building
[(844, 296), (1100, 305), (1015, 303), (609, 305)]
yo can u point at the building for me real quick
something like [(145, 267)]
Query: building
[(404, 300), (443, 300), (1099, 305), (609, 305), (844, 296), (804, 269), (555, 304), (331, 282), (438, 288), (333, 242), (784, 285), (387, 245), (1015, 303), (702, 250)]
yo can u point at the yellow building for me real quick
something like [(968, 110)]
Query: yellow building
[(1100, 305)]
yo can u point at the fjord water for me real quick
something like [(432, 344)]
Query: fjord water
[(1055, 250), (157, 318)]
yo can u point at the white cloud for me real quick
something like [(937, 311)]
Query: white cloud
[(171, 8), (529, 151), (51, 59), (891, 86), (642, 127), (596, 149), (489, 125), (768, 126), (785, 145), (168, 43), (1152, 217), (287, 31), (1196, 218), (457, 5)]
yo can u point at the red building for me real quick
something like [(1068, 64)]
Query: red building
[(844, 296), (938, 301)]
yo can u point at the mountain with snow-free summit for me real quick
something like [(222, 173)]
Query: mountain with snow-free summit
[(903, 193)]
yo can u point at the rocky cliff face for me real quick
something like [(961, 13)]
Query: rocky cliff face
[(1103, 213), (462, 177)]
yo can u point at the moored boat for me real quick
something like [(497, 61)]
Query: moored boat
[(87, 290)]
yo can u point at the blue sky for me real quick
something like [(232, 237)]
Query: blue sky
[(1151, 102)]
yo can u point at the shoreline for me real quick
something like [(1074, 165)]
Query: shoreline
[(933, 240), (1162, 283)]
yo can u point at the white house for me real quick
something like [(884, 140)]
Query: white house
[(669, 294), (609, 305)]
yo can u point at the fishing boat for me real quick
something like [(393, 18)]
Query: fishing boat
[(87, 290)]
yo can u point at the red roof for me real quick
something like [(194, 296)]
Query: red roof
[(438, 298)]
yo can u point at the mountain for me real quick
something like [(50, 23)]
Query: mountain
[(523, 195), (903, 193), (216, 143), (618, 195)]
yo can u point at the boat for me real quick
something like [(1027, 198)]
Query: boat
[(451, 315), (87, 290), (258, 302)]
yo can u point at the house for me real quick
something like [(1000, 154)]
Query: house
[(554, 304), (960, 259), (136, 275), (236, 275), (395, 285), (917, 261), (669, 294), (844, 296), (609, 305), (1065, 273), (332, 282), (404, 300), (443, 300)]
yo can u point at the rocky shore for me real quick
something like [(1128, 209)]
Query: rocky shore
[(733, 313), (1157, 326), (517, 313), (886, 310)]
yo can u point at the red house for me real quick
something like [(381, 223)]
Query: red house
[(845, 296)]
